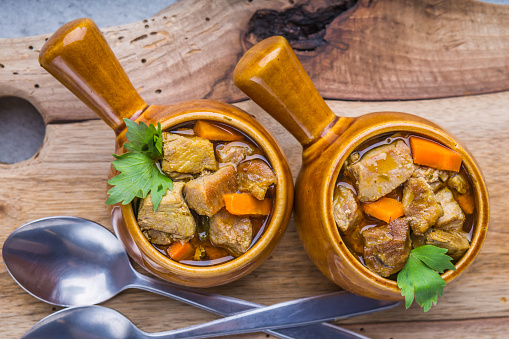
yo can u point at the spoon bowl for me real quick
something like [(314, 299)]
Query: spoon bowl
[(67, 261), (90, 322)]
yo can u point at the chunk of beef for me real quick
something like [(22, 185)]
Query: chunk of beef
[(421, 206), (418, 240), (453, 217), (172, 216), (178, 176), (387, 247), (459, 183), (158, 237), (381, 170), (230, 231), (430, 174), (205, 194), (187, 154), (434, 177), (235, 152), (255, 177), (456, 242), (347, 213), (353, 239)]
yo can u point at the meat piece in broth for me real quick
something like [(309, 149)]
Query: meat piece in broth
[(456, 242), (421, 206), (172, 216), (417, 240), (158, 237), (255, 177), (381, 170), (387, 247), (346, 210), (235, 152), (187, 154), (434, 177), (205, 194), (232, 232), (176, 175), (459, 183), (453, 217)]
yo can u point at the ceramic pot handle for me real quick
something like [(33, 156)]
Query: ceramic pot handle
[(272, 76), (79, 57)]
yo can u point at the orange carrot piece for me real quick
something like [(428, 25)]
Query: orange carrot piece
[(180, 251), (386, 209), (466, 202), (211, 131), (246, 204), (429, 153), (215, 252)]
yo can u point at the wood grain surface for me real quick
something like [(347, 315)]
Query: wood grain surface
[(190, 57)]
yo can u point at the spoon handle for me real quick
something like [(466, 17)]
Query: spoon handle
[(287, 314), (228, 306), (215, 303)]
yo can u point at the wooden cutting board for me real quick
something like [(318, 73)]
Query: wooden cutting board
[(447, 61)]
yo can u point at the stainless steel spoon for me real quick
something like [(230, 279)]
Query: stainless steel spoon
[(69, 261), (90, 322)]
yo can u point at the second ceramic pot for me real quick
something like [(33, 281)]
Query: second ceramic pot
[(272, 76)]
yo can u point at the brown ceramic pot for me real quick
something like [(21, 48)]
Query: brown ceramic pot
[(79, 57), (271, 75)]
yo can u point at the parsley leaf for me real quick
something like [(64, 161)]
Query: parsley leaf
[(144, 139), (420, 277), (139, 173)]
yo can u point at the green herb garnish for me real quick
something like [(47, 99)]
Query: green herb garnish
[(139, 173), (420, 277), (144, 139)]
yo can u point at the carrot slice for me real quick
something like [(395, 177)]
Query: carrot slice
[(215, 252), (246, 204), (180, 251), (466, 202), (386, 209), (211, 131), (429, 153)]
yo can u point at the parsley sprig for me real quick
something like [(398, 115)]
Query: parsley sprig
[(139, 173), (420, 277)]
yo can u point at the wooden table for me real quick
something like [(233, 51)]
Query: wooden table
[(448, 62)]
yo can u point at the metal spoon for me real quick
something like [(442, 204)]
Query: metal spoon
[(90, 322), (69, 261)]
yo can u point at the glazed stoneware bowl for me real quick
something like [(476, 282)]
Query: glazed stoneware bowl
[(78, 56), (271, 75)]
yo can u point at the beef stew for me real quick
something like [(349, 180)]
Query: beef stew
[(209, 163), (388, 200)]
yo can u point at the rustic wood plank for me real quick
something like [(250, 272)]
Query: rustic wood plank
[(466, 329), (422, 49), (378, 50), (404, 49), (69, 177)]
